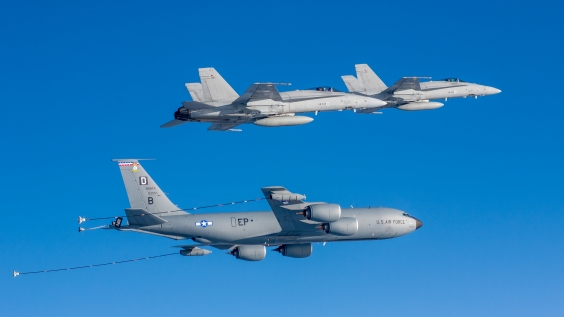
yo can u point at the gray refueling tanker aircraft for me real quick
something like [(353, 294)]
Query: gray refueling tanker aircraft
[(216, 102), (409, 93), (290, 228)]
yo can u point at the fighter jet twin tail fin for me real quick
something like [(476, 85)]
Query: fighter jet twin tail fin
[(367, 82)]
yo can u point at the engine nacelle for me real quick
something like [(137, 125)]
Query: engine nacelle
[(414, 106), (249, 252), (295, 250), (322, 212), (346, 226)]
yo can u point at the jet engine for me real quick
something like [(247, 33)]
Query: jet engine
[(346, 226), (322, 212), (414, 106), (249, 252), (295, 250)]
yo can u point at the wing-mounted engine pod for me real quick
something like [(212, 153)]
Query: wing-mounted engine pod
[(322, 212), (249, 252), (295, 250), (346, 226)]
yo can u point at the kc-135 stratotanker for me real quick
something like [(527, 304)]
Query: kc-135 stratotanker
[(289, 228)]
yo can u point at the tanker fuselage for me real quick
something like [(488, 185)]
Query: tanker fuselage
[(262, 228)]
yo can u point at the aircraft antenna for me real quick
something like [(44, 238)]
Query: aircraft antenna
[(16, 273)]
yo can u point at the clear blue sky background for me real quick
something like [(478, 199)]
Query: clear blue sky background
[(83, 82)]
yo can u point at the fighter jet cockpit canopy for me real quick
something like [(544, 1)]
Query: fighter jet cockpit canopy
[(454, 80), (325, 88)]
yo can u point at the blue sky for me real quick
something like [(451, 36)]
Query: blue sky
[(84, 82)]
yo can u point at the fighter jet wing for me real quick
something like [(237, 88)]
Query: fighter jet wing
[(405, 83), (223, 126), (258, 92)]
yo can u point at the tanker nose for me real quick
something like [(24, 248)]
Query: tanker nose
[(418, 224)]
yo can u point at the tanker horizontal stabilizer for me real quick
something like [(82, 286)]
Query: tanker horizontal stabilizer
[(142, 218)]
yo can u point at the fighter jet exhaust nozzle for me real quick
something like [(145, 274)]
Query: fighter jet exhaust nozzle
[(416, 106), (295, 250), (322, 212), (346, 226), (182, 114), (280, 121), (249, 252)]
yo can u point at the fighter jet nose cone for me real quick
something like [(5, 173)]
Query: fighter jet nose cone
[(492, 91), (418, 224)]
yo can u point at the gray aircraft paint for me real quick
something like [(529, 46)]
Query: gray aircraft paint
[(410, 91), (152, 212), (216, 102)]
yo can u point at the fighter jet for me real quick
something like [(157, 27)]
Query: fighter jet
[(409, 93), (216, 102), (290, 227)]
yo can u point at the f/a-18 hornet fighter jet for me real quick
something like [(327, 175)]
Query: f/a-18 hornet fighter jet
[(216, 102), (409, 93), (289, 228)]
